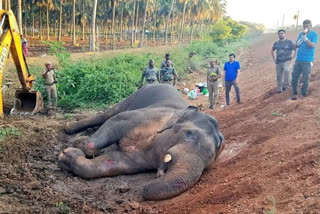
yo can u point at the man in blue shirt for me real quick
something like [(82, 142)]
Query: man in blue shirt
[(306, 44), (232, 72)]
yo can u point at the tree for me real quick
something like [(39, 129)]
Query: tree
[(143, 25), (167, 23), (74, 22), (19, 15), (60, 21), (112, 27), (93, 26)]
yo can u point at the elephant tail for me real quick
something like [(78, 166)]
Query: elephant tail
[(183, 173)]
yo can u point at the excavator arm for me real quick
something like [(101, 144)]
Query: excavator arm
[(10, 40)]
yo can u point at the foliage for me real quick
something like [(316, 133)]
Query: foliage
[(8, 131), (103, 81), (220, 32), (227, 30), (253, 28), (56, 48), (64, 208)]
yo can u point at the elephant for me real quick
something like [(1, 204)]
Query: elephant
[(154, 129)]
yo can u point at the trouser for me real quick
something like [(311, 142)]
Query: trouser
[(51, 90), (228, 85), (283, 75), (299, 68), (213, 89), (169, 82)]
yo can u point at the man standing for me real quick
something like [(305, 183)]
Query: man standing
[(150, 73), (232, 72), (213, 75), (164, 63), (167, 74), (285, 52), (50, 82), (306, 44)]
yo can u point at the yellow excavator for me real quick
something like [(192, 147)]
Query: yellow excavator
[(26, 100)]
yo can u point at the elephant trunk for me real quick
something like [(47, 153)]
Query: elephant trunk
[(184, 173)]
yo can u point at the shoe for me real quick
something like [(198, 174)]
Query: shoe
[(227, 106), (279, 92), (285, 88), (240, 102), (294, 97), (211, 107)]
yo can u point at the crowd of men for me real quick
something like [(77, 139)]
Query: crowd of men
[(283, 52)]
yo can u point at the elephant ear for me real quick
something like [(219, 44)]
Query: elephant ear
[(178, 117)]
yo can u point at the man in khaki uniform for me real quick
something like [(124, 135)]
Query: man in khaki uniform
[(50, 82), (151, 74), (213, 75), (164, 63), (168, 74)]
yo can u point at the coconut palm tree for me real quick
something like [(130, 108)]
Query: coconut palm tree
[(93, 26), (144, 24)]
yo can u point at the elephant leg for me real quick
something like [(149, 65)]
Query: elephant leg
[(110, 132), (112, 163), (98, 120)]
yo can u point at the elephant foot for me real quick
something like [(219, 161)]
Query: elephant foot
[(67, 158), (86, 145)]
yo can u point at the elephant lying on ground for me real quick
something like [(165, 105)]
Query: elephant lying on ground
[(154, 129)]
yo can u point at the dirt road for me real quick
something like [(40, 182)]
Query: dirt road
[(271, 159)]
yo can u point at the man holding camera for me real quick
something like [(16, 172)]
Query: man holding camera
[(306, 44), (50, 82)]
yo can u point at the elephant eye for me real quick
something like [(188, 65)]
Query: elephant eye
[(190, 136)]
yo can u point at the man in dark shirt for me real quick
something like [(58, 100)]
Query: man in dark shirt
[(282, 53)]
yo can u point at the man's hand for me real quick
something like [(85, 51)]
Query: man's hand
[(304, 37)]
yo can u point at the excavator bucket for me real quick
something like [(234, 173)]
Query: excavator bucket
[(28, 102)]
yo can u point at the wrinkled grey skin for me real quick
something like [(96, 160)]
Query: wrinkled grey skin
[(147, 126)]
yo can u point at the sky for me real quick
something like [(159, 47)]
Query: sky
[(271, 12)]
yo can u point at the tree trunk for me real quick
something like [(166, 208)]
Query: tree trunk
[(192, 26), (137, 18), (19, 11), (93, 27), (133, 16), (74, 22), (167, 24), (32, 24), (155, 22), (40, 24), (182, 23), (60, 21), (48, 28), (121, 20), (143, 25), (112, 27), (25, 18)]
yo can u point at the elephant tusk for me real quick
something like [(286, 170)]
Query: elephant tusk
[(167, 158)]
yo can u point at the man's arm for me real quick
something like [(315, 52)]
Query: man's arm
[(158, 76), (174, 76), (142, 77), (219, 73), (45, 74), (273, 54), (311, 43)]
